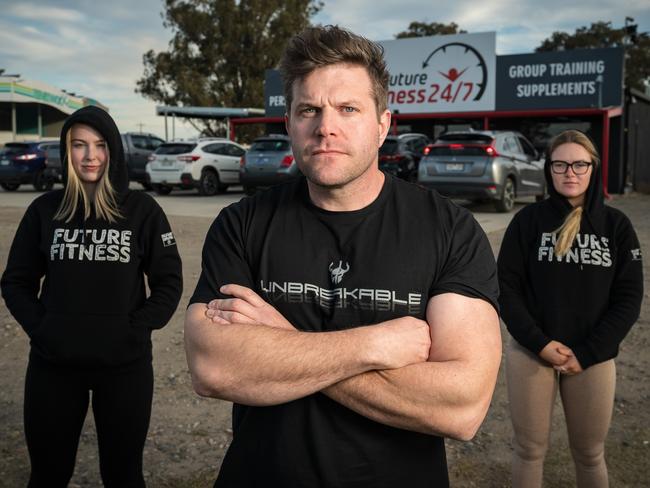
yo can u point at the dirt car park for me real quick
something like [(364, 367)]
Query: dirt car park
[(189, 435)]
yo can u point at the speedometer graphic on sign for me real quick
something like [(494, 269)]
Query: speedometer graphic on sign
[(458, 73)]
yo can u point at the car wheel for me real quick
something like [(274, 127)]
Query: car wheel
[(542, 196), (9, 186), (162, 189), (209, 183), (147, 186), (42, 182), (506, 202)]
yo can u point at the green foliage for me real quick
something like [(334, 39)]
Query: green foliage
[(219, 51), (422, 29), (601, 35)]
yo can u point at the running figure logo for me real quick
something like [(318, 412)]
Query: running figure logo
[(338, 272)]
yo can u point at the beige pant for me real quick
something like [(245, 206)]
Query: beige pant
[(588, 400)]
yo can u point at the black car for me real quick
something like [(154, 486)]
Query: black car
[(400, 155), (138, 147), (52, 160), (23, 162)]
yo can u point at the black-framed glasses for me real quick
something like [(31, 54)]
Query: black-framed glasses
[(578, 167)]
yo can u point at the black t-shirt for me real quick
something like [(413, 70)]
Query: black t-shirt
[(329, 271)]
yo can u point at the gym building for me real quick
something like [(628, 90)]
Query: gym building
[(33, 111), (457, 82)]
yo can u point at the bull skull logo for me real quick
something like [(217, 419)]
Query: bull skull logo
[(338, 272)]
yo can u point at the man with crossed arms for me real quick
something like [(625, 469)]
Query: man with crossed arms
[(355, 320)]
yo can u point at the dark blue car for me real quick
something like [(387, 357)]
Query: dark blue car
[(24, 162)]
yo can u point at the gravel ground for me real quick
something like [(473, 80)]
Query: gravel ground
[(189, 435)]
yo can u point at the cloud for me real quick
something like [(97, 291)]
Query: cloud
[(535, 20), (40, 12), (95, 48)]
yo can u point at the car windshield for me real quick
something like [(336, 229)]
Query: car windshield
[(457, 150), (461, 145), (389, 147), (14, 147), (270, 145), (176, 148), (467, 138)]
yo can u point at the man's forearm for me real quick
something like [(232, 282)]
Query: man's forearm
[(439, 398), (449, 395), (260, 365)]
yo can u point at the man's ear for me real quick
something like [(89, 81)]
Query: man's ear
[(384, 125)]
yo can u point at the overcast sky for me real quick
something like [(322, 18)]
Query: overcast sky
[(95, 48)]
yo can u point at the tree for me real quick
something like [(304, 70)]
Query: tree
[(219, 51), (602, 34), (422, 29)]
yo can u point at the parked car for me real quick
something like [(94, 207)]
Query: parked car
[(138, 146), (267, 162), (23, 162), (52, 160), (209, 164), (401, 154), (484, 165)]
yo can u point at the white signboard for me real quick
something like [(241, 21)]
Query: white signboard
[(441, 74)]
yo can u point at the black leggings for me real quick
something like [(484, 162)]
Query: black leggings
[(56, 402)]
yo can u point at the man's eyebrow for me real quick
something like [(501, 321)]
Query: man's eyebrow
[(352, 101), (306, 104), (343, 103)]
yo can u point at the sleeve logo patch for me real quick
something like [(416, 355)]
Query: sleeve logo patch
[(168, 239), (636, 254)]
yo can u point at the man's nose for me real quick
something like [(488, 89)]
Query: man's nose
[(327, 122)]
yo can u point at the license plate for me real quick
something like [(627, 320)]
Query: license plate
[(4, 162), (454, 166), (262, 160), (167, 162)]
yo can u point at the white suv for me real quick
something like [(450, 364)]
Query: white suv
[(209, 164)]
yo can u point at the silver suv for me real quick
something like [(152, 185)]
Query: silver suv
[(483, 165)]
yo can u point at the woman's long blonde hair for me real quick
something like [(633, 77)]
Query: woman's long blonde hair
[(568, 231), (105, 201)]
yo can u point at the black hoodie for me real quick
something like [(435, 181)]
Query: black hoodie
[(92, 308), (587, 300)]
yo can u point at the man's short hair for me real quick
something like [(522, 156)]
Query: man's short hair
[(316, 47)]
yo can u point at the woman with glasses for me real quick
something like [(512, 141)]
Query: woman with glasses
[(571, 287)]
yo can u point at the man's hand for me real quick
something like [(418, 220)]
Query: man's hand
[(402, 341), (556, 353), (398, 342), (246, 307)]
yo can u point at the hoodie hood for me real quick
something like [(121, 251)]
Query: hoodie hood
[(594, 199), (101, 121)]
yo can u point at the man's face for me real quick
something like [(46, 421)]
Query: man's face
[(334, 127)]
